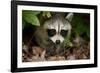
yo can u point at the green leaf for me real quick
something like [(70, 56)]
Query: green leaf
[(47, 14), (31, 12), (80, 27), (30, 17), (66, 42)]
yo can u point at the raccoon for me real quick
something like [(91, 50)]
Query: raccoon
[(58, 27), (51, 35)]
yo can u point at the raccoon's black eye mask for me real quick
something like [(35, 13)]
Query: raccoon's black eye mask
[(51, 32), (64, 33)]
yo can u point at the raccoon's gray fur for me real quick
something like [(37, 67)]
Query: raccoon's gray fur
[(43, 41), (57, 22)]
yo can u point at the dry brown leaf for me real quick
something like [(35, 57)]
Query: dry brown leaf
[(56, 58)]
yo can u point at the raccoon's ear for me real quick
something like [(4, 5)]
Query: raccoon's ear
[(69, 16)]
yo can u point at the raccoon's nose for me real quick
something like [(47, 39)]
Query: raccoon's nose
[(57, 41)]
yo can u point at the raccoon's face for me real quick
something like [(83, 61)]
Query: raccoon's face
[(58, 27)]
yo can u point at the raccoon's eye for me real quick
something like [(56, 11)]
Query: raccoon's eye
[(64, 33), (51, 32)]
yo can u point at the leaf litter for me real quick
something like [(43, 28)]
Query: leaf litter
[(79, 50)]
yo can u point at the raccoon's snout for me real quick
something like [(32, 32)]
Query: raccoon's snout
[(57, 41)]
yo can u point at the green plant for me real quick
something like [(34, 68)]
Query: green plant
[(46, 14), (30, 17), (80, 27)]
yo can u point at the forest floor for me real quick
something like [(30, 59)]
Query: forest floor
[(76, 52)]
